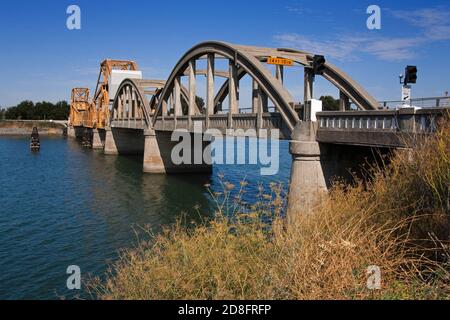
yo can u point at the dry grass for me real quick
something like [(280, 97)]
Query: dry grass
[(399, 221)]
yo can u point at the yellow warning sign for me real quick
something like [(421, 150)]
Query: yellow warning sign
[(280, 61)]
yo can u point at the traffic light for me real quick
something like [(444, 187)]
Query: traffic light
[(319, 64), (410, 74)]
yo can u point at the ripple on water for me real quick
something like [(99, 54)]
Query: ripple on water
[(66, 205)]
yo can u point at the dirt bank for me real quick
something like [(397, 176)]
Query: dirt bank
[(19, 127)]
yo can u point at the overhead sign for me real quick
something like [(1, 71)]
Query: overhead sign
[(280, 61)]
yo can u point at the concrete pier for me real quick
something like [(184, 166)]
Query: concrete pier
[(97, 141), (308, 176), (316, 165), (110, 144), (153, 162), (71, 132)]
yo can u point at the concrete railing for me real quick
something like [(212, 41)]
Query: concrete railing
[(222, 122), (432, 102), (384, 128), (407, 119)]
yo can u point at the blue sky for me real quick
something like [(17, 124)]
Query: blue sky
[(40, 59)]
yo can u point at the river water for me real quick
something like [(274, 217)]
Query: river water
[(69, 206)]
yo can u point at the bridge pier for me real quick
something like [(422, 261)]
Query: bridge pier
[(97, 141), (308, 177), (315, 165), (153, 162), (110, 143), (71, 132)]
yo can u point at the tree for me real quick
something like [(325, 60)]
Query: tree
[(198, 100), (27, 110), (61, 111), (329, 103)]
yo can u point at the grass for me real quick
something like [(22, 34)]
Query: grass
[(398, 221)]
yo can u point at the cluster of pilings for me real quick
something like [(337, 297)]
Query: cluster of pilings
[(35, 144)]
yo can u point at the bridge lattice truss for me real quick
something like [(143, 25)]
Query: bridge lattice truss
[(169, 105)]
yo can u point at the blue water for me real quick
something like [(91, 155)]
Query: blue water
[(69, 206)]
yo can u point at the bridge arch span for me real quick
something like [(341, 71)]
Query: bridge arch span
[(132, 100), (131, 103), (247, 60), (248, 63), (341, 80)]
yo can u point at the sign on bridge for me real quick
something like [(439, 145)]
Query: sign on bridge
[(280, 61)]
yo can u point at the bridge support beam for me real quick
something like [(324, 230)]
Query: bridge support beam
[(308, 179), (71, 132), (97, 142), (344, 102), (110, 143), (315, 165), (308, 85), (153, 162)]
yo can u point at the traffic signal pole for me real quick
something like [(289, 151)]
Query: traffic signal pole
[(410, 77)]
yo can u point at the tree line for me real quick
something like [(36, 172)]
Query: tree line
[(28, 110)]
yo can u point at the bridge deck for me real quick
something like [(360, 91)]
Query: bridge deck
[(368, 128)]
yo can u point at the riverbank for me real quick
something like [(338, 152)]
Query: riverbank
[(24, 127)]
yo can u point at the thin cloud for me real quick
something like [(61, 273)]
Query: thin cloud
[(433, 24), (392, 49), (347, 48), (298, 9)]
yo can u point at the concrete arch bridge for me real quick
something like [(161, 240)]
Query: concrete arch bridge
[(143, 114)]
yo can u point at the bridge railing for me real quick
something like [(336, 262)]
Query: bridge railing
[(405, 120), (224, 122), (432, 102), (385, 128)]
